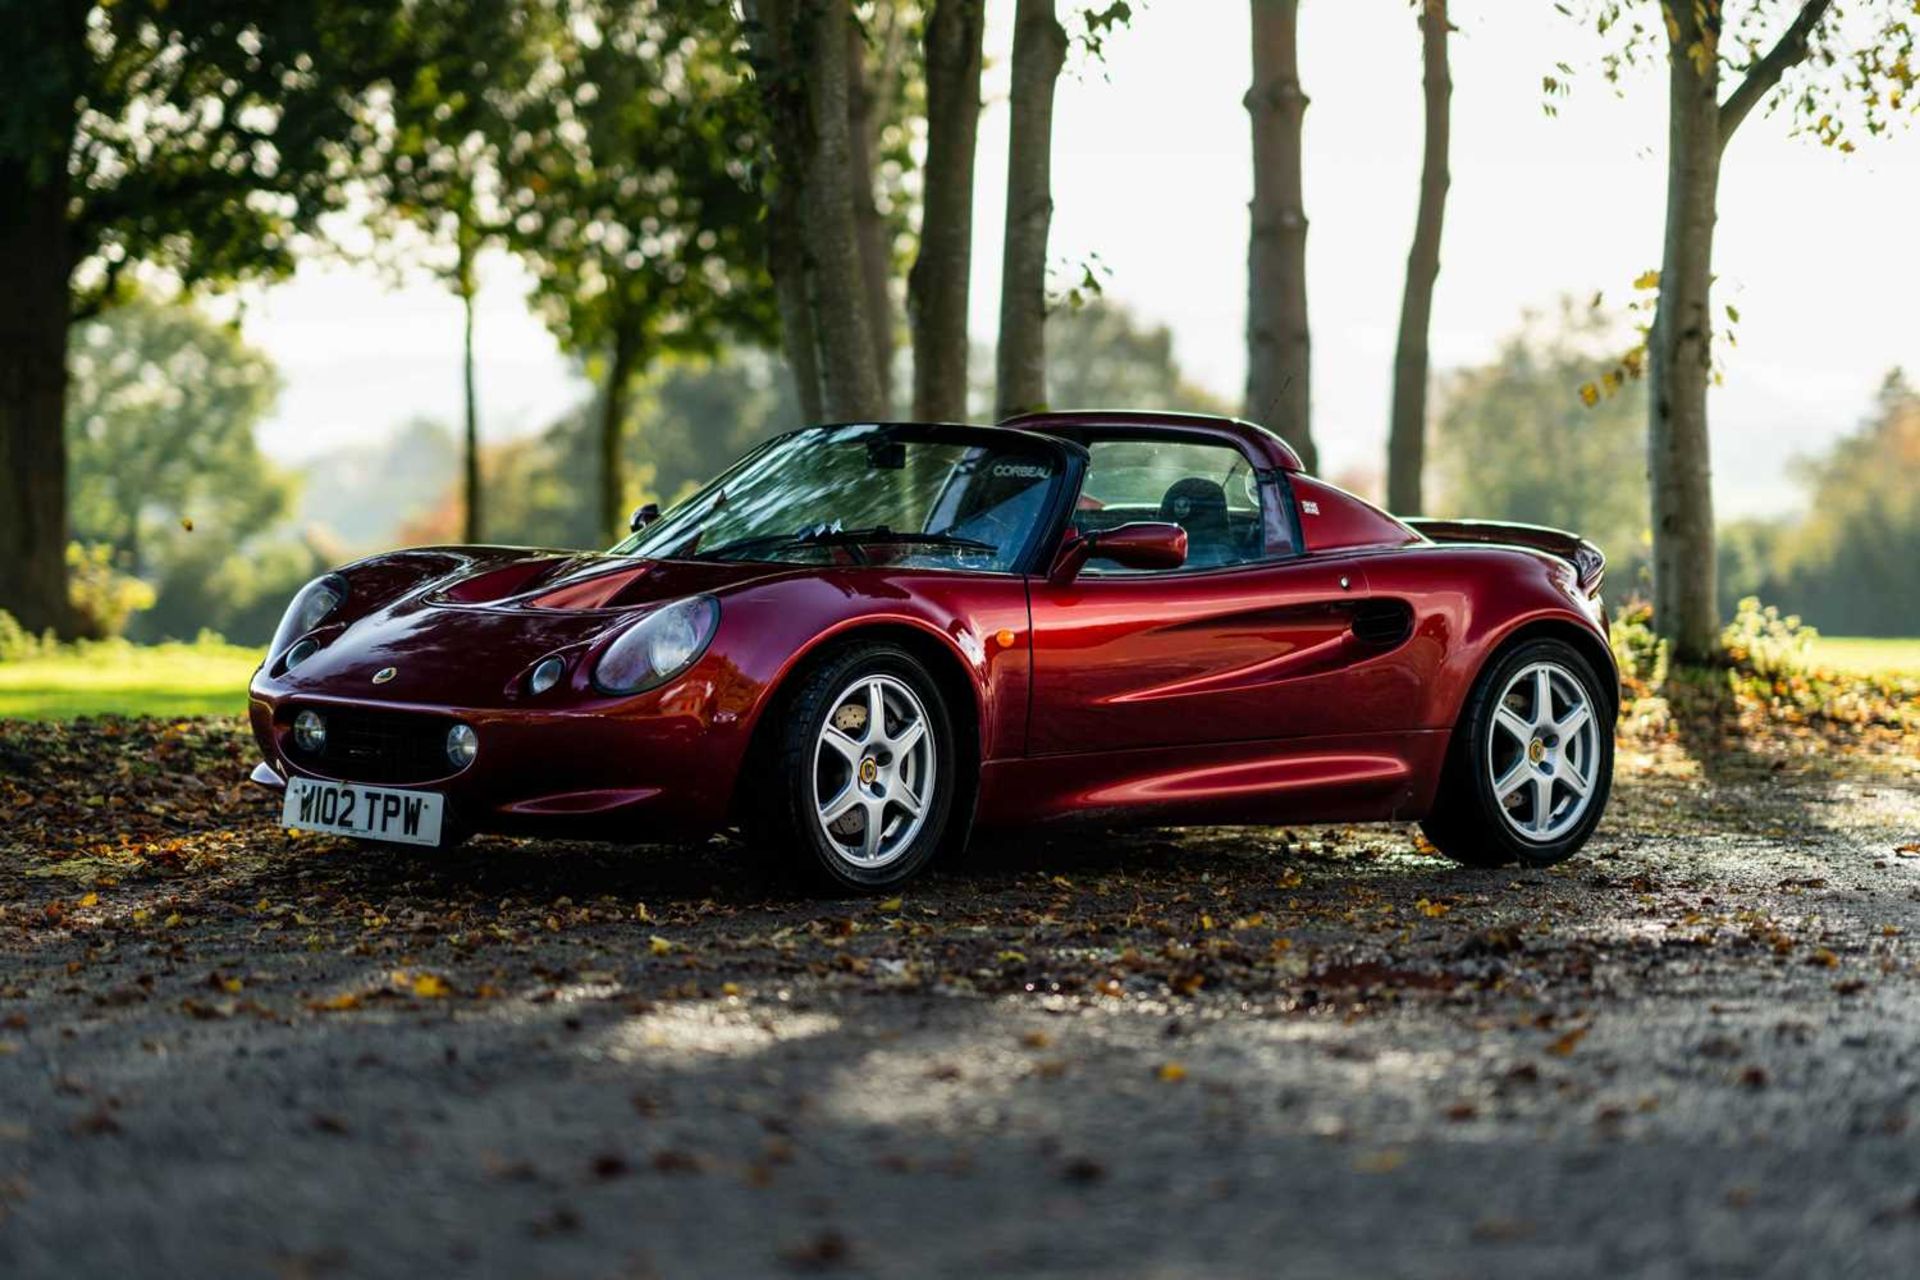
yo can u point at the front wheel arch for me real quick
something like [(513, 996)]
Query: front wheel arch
[(945, 666)]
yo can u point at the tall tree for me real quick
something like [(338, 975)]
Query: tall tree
[(430, 155), (1407, 429), (800, 53), (1756, 51), (875, 57), (197, 140), (1279, 349), (1039, 52), (633, 201), (937, 290)]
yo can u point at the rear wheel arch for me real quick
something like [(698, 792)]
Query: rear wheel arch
[(1584, 642)]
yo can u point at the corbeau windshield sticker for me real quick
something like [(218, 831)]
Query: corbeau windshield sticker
[(1021, 470)]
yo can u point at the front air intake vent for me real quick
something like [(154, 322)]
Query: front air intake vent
[(1382, 624)]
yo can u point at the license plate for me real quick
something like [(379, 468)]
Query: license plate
[(372, 813)]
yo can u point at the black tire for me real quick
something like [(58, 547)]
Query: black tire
[(1468, 822), (787, 825)]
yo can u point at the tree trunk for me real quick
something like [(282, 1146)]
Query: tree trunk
[(1039, 51), (614, 514), (942, 273), (1680, 360), (850, 389), (470, 448), (770, 26), (35, 263), (1278, 346), (799, 50), (876, 249), (1407, 431), (797, 339)]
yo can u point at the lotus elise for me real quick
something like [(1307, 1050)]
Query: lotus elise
[(863, 641)]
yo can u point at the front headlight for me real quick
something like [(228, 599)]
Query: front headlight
[(309, 609), (658, 647)]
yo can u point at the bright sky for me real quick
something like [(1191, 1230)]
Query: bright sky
[(1151, 172)]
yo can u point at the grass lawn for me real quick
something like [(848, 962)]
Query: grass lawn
[(1869, 655), (124, 679)]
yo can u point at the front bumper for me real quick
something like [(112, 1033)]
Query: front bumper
[(659, 766)]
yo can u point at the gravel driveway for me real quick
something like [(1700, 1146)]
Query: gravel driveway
[(1693, 1051)]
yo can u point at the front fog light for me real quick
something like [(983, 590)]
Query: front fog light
[(463, 744), (310, 732)]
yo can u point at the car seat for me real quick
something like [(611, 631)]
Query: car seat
[(1200, 507)]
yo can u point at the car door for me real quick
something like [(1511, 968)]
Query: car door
[(1250, 641)]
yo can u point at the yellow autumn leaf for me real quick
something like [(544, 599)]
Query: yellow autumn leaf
[(1649, 279), (90, 900), (659, 945), (729, 988), (891, 904), (641, 913), (1565, 1045), (430, 987), (1589, 394), (1432, 910), (1171, 1072), (336, 1004), (186, 522)]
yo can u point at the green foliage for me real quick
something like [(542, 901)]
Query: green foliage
[(1100, 355), (17, 644), (430, 153), (103, 598), (1854, 561), (631, 194), (1639, 652), (1513, 441), (206, 135), (161, 412), (1767, 643), (212, 584), (1855, 80)]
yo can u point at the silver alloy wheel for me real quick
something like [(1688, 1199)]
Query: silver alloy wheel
[(874, 771), (1543, 752)]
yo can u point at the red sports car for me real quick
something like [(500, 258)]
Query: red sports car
[(863, 640)]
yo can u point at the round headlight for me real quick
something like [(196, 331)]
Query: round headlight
[(658, 647), (309, 609), (301, 652), (310, 732), (463, 744), (546, 675)]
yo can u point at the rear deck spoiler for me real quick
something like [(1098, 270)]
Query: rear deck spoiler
[(1588, 561)]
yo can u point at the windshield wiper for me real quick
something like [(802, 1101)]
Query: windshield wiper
[(853, 540)]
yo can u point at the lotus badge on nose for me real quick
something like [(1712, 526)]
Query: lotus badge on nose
[(385, 674)]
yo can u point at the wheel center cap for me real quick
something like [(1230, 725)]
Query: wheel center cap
[(869, 770), (1536, 751)]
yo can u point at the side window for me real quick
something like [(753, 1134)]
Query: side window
[(1210, 490)]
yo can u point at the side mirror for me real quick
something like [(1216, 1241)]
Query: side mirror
[(1143, 544), (643, 515)]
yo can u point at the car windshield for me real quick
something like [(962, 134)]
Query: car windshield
[(901, 495)]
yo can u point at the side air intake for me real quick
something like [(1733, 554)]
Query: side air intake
[(1382, 624)]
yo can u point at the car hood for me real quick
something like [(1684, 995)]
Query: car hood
[(462, 626)]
